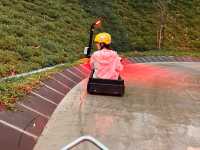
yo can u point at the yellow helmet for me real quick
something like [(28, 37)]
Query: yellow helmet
[(103, 38)]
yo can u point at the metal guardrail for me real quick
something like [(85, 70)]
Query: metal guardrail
[(83, 139), (30, 73)]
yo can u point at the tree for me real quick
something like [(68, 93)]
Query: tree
[(162, 6)]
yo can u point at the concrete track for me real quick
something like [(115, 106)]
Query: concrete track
[(159, 111)]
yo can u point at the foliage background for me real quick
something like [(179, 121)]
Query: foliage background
[(40, 33)]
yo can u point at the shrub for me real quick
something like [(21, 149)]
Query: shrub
[(25, 52), (8, 43)]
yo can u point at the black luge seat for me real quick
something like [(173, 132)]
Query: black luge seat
[(105, 86)]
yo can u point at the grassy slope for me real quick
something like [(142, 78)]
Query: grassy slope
[(36, 34), (40, 33)]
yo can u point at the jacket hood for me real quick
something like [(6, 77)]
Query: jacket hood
[(105, 56)]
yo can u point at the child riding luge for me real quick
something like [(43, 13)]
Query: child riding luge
[(105, 61)]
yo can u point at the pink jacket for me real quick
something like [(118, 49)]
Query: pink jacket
[(106, 64)]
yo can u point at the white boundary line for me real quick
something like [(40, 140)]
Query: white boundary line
[(30, 73), (67, 77), (44, 98), (18, 129), (51, 88), (74, 74), (61, 83), (33, 110), (76, 68)]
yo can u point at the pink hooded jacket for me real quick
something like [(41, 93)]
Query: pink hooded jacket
[(106, 64)]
